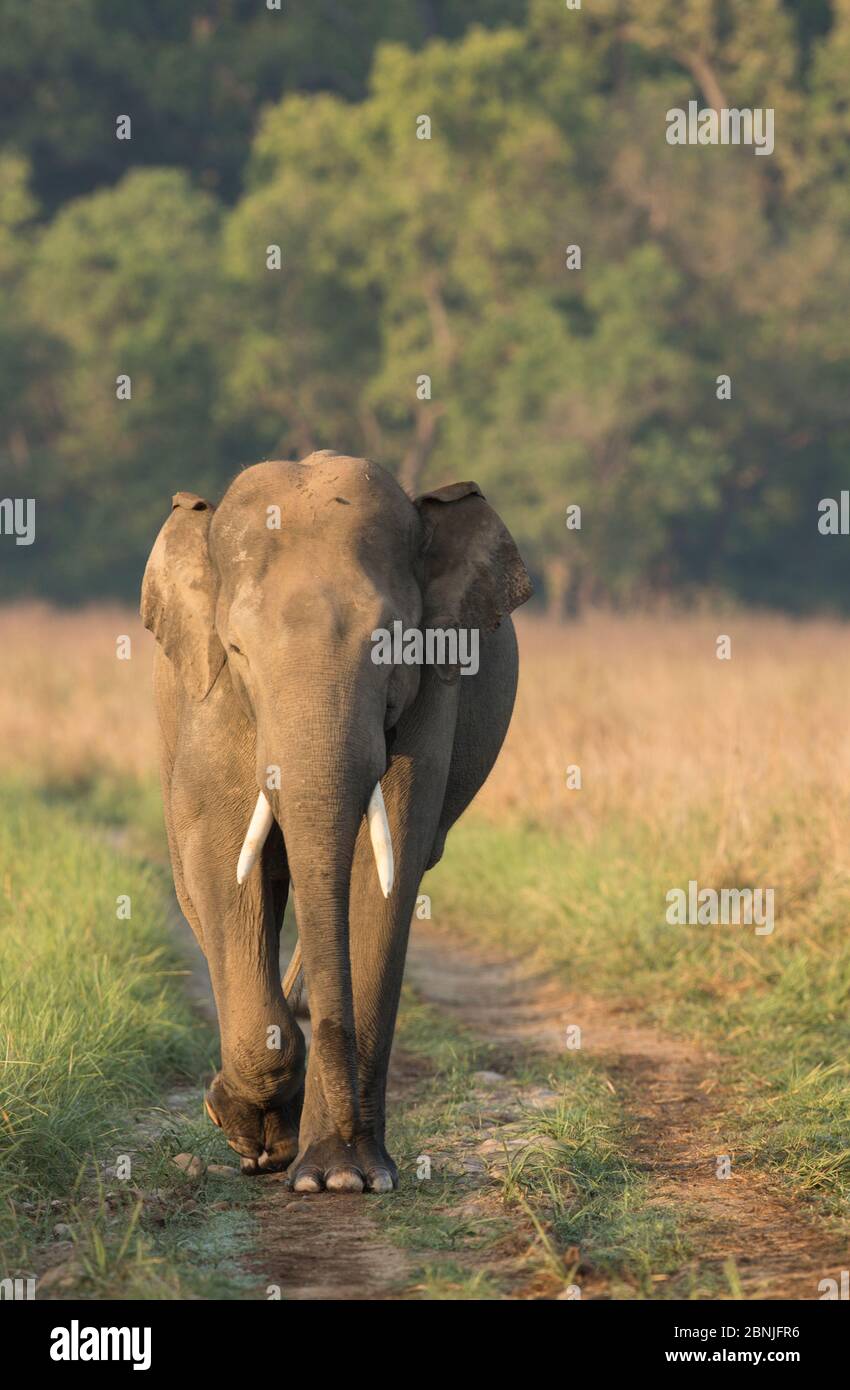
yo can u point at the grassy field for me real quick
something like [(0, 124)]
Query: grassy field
[(733, 773)]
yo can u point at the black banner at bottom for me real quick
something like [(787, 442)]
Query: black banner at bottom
[(58, 1339)]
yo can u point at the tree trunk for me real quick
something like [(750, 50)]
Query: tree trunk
[(416, 457), (556, 574)]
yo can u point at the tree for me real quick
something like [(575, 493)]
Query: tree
[(193, 74), (127, 282)]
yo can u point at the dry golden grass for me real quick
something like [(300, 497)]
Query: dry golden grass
[(659, 727), (69, 709)]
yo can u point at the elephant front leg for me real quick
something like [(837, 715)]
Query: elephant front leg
[(327, 1156), (256, 1097), (379, 930), (414, 790)]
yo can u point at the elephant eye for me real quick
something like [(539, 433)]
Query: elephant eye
[(236, 650)]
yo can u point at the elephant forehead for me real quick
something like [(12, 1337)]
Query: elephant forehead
[(323, 481), (353, 511)]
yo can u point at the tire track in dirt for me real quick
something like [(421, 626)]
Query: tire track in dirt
[(669, 1089)]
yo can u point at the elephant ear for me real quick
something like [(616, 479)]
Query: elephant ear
[(179, 595), (474, 574)]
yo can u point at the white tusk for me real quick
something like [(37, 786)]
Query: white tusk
[(256, 836), (379, 833)]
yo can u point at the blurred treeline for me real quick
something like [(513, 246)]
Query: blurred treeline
[(446, 257)]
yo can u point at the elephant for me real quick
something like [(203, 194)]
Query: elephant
[(291, 760)]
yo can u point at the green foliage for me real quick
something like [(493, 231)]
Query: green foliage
[(406, 257), (193, 75)]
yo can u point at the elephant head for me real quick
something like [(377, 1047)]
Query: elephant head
[(287, 581)]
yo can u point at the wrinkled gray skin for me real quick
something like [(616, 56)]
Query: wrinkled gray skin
[(263, 660)]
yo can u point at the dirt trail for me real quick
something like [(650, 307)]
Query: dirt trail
[(319, 1247), (331, 1247), (324, 1246), (668, 1087)]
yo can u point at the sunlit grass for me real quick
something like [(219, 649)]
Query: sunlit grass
[(93, 1016), (773, 1007)]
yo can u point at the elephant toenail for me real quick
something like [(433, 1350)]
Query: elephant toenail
[(380, 1180), (308, 1180), (344, 1180)]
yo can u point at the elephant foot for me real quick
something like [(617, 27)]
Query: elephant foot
[(264, 1136), (332, 1165)]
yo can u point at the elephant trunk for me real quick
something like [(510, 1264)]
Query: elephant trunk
[(330, 761)]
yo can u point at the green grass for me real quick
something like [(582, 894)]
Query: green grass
[(775, 1007), (120, 806), (569, 1182), (95, 1024)]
